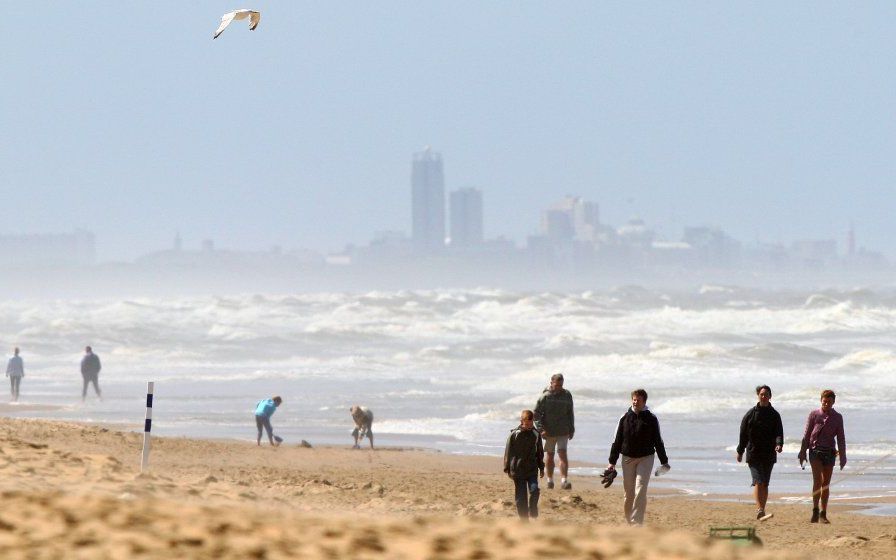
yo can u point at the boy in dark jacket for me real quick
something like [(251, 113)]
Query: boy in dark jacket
[(523, 460)]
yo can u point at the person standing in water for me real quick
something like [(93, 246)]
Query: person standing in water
[(762, 437), (824, 429), (90, 372), (15, 371)]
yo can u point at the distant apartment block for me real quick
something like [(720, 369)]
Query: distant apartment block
[(466, 218), (47, 249), (571, 218), (427, 201)]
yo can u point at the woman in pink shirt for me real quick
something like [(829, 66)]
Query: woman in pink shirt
[(824, 428)]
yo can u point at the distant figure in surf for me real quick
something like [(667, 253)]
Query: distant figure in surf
[(264, 409), (824, 429), (762, 437), (90, 372), (363, 418), (15, 371), (555, 421)]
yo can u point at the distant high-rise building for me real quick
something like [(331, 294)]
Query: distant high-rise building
[(466, 217), (571, 218), (428, 201)]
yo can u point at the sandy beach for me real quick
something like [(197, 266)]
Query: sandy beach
[(75, 491)]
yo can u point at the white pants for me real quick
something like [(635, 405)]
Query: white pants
[(635, 478)]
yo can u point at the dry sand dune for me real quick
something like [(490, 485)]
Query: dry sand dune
[(74, 491)]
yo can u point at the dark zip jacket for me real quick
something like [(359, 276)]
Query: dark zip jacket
[(524, 453), (760, 431), (554, 413), (638, 435)]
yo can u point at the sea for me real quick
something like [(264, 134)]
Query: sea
[(450, 370)]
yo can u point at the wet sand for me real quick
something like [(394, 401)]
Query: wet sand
[(75, 491)]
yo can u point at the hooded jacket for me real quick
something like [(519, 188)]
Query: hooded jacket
[(524, 453), (554, 413), (638, 435)]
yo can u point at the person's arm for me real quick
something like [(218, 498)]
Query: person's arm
[(539, 415), (83, 365), (8, 367), (841, 443), (572, 418), (99, 366), (804, 445), (779, 433), (744, 435), (507, 453), (658, 443), (616, 447), (540, 451)]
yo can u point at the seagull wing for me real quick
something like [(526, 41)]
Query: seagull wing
[(225, 21), (254, 18)]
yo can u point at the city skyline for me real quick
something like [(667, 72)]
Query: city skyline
[(775, 123)]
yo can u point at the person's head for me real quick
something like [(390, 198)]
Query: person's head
[(16, 350), (827, 399), (355, 409), (277, 401), (556, 382), (764, 392), (88, 349), (527, 419), (639, 400)]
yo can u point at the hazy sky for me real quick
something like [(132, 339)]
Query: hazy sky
[(773, 120)]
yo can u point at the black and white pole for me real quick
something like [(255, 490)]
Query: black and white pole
[(147, 426)]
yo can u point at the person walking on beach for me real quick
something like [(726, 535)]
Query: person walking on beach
[(523, 460), (555, 421), (90, 372), (637, 439), (824, 428), (762, 437), (263, 412), (15, 371), (363, 418)]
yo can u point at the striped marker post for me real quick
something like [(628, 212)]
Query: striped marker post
[(147, 426)]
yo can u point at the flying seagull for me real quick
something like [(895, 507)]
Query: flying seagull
[(253, 16)]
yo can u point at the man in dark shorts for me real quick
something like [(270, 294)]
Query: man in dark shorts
[(762, 437)]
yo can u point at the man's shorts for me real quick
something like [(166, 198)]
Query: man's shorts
[(826, 455), (761, 472), (559, 443)]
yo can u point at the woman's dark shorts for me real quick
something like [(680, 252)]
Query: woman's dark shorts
[(761, 472), (827, 456)]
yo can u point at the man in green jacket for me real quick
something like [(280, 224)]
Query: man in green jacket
[(555, 420)]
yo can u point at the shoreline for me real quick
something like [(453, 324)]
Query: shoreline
[(858, 504), (79, 487)]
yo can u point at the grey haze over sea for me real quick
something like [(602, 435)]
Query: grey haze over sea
[(451, 369)]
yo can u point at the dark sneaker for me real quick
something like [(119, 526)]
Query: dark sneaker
[(550, 484), (566, 485), (814, 516), (823, 518)]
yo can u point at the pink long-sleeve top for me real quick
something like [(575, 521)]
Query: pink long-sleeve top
[(822, 429)]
